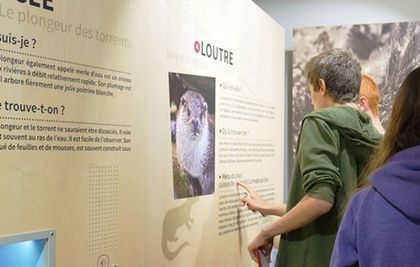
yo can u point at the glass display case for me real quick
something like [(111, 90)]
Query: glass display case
[(34, 249)]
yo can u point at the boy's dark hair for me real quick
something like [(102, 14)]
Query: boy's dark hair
[(340, 71)]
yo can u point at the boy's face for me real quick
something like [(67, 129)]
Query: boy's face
[(320, 99), (316, 97)]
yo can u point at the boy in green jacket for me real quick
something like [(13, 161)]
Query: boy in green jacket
[(335, 142)]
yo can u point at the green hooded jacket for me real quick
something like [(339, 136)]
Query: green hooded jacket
[(334, 145)]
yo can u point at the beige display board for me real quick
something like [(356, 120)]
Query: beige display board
[(124, 126), (71, 99), (217, 113)]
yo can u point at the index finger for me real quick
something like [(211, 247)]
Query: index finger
[(243, 185)]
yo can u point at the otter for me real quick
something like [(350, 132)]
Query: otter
[(174, 219), (195, 143)]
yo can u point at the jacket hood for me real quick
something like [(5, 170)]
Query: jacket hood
[(354, 125), (398, 181)]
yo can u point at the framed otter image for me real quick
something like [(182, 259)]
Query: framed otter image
[(192, 108)]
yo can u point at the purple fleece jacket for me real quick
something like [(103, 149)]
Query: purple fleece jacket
[(381, 226)]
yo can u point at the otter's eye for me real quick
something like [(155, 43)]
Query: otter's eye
[(203, 114), (188, 112)]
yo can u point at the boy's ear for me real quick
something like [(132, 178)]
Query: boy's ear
[(322, 87), (363, 104)]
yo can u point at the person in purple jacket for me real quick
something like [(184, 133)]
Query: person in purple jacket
[(381, 225)]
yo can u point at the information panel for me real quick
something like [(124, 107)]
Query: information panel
[(217, 116), (70, 132), (124, 126)]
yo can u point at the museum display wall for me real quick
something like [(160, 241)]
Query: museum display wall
[(124, 126)]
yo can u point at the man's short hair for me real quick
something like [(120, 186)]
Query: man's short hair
[(370, 90), (340, 71)]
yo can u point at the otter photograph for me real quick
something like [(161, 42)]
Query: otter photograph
[(192, 120)]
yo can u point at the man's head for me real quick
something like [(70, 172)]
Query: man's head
[(369, 96), (334, 78)]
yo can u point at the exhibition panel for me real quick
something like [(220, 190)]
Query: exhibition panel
[(217, 113), (70, 80), (124, 126)]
